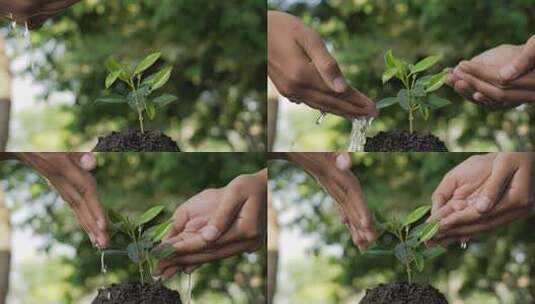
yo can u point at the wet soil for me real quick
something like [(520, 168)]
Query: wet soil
[(404, 141), (135, 293), (403, 293), (131, 140)]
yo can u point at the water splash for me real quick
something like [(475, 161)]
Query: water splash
[(13, 24), (358, 133), (321, 118), (190, 287)]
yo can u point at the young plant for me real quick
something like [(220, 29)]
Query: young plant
[(416, 97), (408, 245), (140, 87), (144, 248)]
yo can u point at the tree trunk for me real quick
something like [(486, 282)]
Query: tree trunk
[(273, 111), (5, 96), (5, 249), (273, 251)]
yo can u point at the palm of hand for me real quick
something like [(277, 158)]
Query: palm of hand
[(498, 56)]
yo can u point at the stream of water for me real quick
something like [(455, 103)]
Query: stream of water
[(26, 36), (190, 287), (357, 140)]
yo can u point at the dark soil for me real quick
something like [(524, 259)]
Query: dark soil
[(135, 293), (131, 140), (404, 141), (403, 293)]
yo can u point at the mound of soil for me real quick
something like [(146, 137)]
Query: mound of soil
[(131, 140), (403, 293), (404, 141), (135, 293)]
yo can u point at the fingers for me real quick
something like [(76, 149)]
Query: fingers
[(356, 106), (521, 64), (325, 64), (86, 161), (231, 204), (343, 161), (495, 186), (443, 193), (179, 219)]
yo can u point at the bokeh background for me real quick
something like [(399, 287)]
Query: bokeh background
[(318, 262), (217, 50), (359, 32), (53, 261)]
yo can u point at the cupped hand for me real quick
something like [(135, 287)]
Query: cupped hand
[(479, 80), (302, 69), (483, 193), (34, 12), (333, 172), (69, 174), (218, 223)]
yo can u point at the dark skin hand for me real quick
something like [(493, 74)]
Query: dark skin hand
[(35, 12), (333, 172), (482, 193), (69, 174), (218, 223), (304, 71)]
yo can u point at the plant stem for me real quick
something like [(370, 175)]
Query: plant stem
[(140, 117), (409, 273), (411, 118)]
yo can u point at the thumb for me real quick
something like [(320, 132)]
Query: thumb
[(494, 187), (224, 216), (521, 64), (324, 63)]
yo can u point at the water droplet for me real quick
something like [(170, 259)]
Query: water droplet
[(464, 244), (103, 267), (357, 140), (321, 118)]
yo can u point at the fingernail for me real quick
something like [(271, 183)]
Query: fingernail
[(340, 84), (210, 233), (87, 162), (343, 162), (483, 204), (507, 72)]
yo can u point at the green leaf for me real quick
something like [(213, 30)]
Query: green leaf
[(165, 100), (149, 215), (163, 251), (147, 63), (403, 98), (402, 253), (115, 217), (134, 252), (416, 214), (435, 82), (111, 99), (416, 231), (114, 252), (418, 91), (390, 60), (112, 77), (388, 74), (156, 233), (112, 65), (379, 252), (433, 252), (386, 102), (436, 102), (419, 262), (425, 64), (151, 110), (424, 112), (429, 231), (159, 79)]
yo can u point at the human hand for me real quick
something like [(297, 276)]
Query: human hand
[(478, 80), (482, 193), (218, 223), (35, 12), (333, 172), (302, 69), (69, 174)]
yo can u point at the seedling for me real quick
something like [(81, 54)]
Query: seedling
[(144, 249), (140, 87), (409, 241), (416, 97)]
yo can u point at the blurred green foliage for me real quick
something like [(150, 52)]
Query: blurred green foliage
[(497, 267), (132, 182), (359, 32), (217, 50)]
